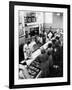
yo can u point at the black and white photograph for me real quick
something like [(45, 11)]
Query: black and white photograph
[(40, 42)]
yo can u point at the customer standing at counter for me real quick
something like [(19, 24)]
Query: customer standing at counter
[(49, 52), (57, 57), (44, 37), (45, 62)]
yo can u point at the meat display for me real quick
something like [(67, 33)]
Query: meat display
[(34, 69)]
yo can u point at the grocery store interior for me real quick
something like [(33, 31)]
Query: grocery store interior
[(40, 44)]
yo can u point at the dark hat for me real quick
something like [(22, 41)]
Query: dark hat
[(49, 45)]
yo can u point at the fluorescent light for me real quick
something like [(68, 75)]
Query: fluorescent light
[(58, 14)]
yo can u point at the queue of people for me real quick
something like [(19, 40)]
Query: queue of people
[(51, 59), (39, 40)]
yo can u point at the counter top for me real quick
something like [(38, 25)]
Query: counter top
[(35, 54)]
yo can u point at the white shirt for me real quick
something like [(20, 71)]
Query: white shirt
[(25, 47), (40, 39), (49, 35), (45, 34), (27, 51), (31, 45)]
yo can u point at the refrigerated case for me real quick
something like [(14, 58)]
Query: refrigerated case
[(33, 65)]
